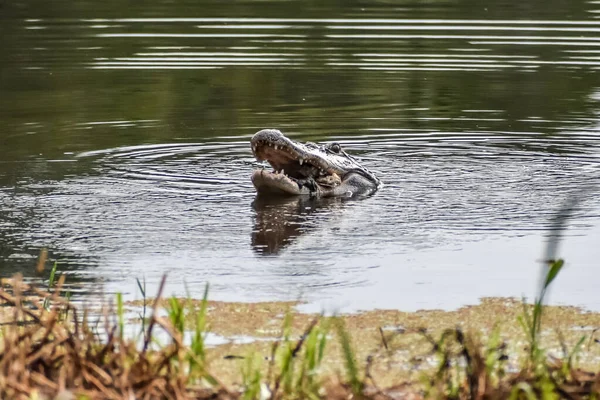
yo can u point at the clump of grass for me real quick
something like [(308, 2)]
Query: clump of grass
[(295, 365), (309, 381), (466, 368), (51, 282), (198, 364), (43, 355), (355, 381), (252, 377)]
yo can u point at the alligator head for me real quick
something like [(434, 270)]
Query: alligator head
[(317, 170)]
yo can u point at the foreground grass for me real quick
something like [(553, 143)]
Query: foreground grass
[(50, 349)]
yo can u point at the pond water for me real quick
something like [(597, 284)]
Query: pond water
[(124, 147)]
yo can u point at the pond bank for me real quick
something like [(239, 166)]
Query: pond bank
[(396, 342), (197, 349)]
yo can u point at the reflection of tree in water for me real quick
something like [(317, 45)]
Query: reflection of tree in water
[(191, 104), (280, 220)]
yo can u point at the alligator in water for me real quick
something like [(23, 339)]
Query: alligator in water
[(308, 169)]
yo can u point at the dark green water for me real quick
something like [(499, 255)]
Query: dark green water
[(124, 145)]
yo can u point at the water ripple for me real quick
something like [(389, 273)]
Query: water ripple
[(333, 43), (478, 127)]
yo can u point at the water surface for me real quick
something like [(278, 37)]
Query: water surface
[(124, 147)]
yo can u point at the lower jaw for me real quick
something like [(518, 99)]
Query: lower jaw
[(280, 184), (272, 183)]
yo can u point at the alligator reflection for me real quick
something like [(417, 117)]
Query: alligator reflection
[(280, 220)]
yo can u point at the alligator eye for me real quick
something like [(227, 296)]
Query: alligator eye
[(335, 147)]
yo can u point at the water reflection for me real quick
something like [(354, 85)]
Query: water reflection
[(278, 221)]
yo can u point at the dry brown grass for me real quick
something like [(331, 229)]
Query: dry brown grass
[(50, 353)]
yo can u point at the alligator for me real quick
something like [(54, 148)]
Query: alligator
[(308, 169)]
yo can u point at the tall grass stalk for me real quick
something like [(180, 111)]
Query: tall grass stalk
[(285, 358), (495, 357), (197, 355), (52, 279), (142, 288), (120, 315), (315, 342), (531, 321), (51, 284), (176, 313), (356, 383), (252, 377)]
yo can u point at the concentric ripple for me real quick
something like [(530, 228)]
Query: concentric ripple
[(188, 208)]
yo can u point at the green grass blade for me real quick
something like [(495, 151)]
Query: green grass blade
[(52, 280), (120, 314), (524, 388), (197, 346), (576, 350), (176, 314), (555, 268), (349, 358)]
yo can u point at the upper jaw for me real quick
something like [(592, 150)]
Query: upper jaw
[(295, 159)]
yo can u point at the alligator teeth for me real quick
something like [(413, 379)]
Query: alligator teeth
[(276, 147), (300, 161)]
